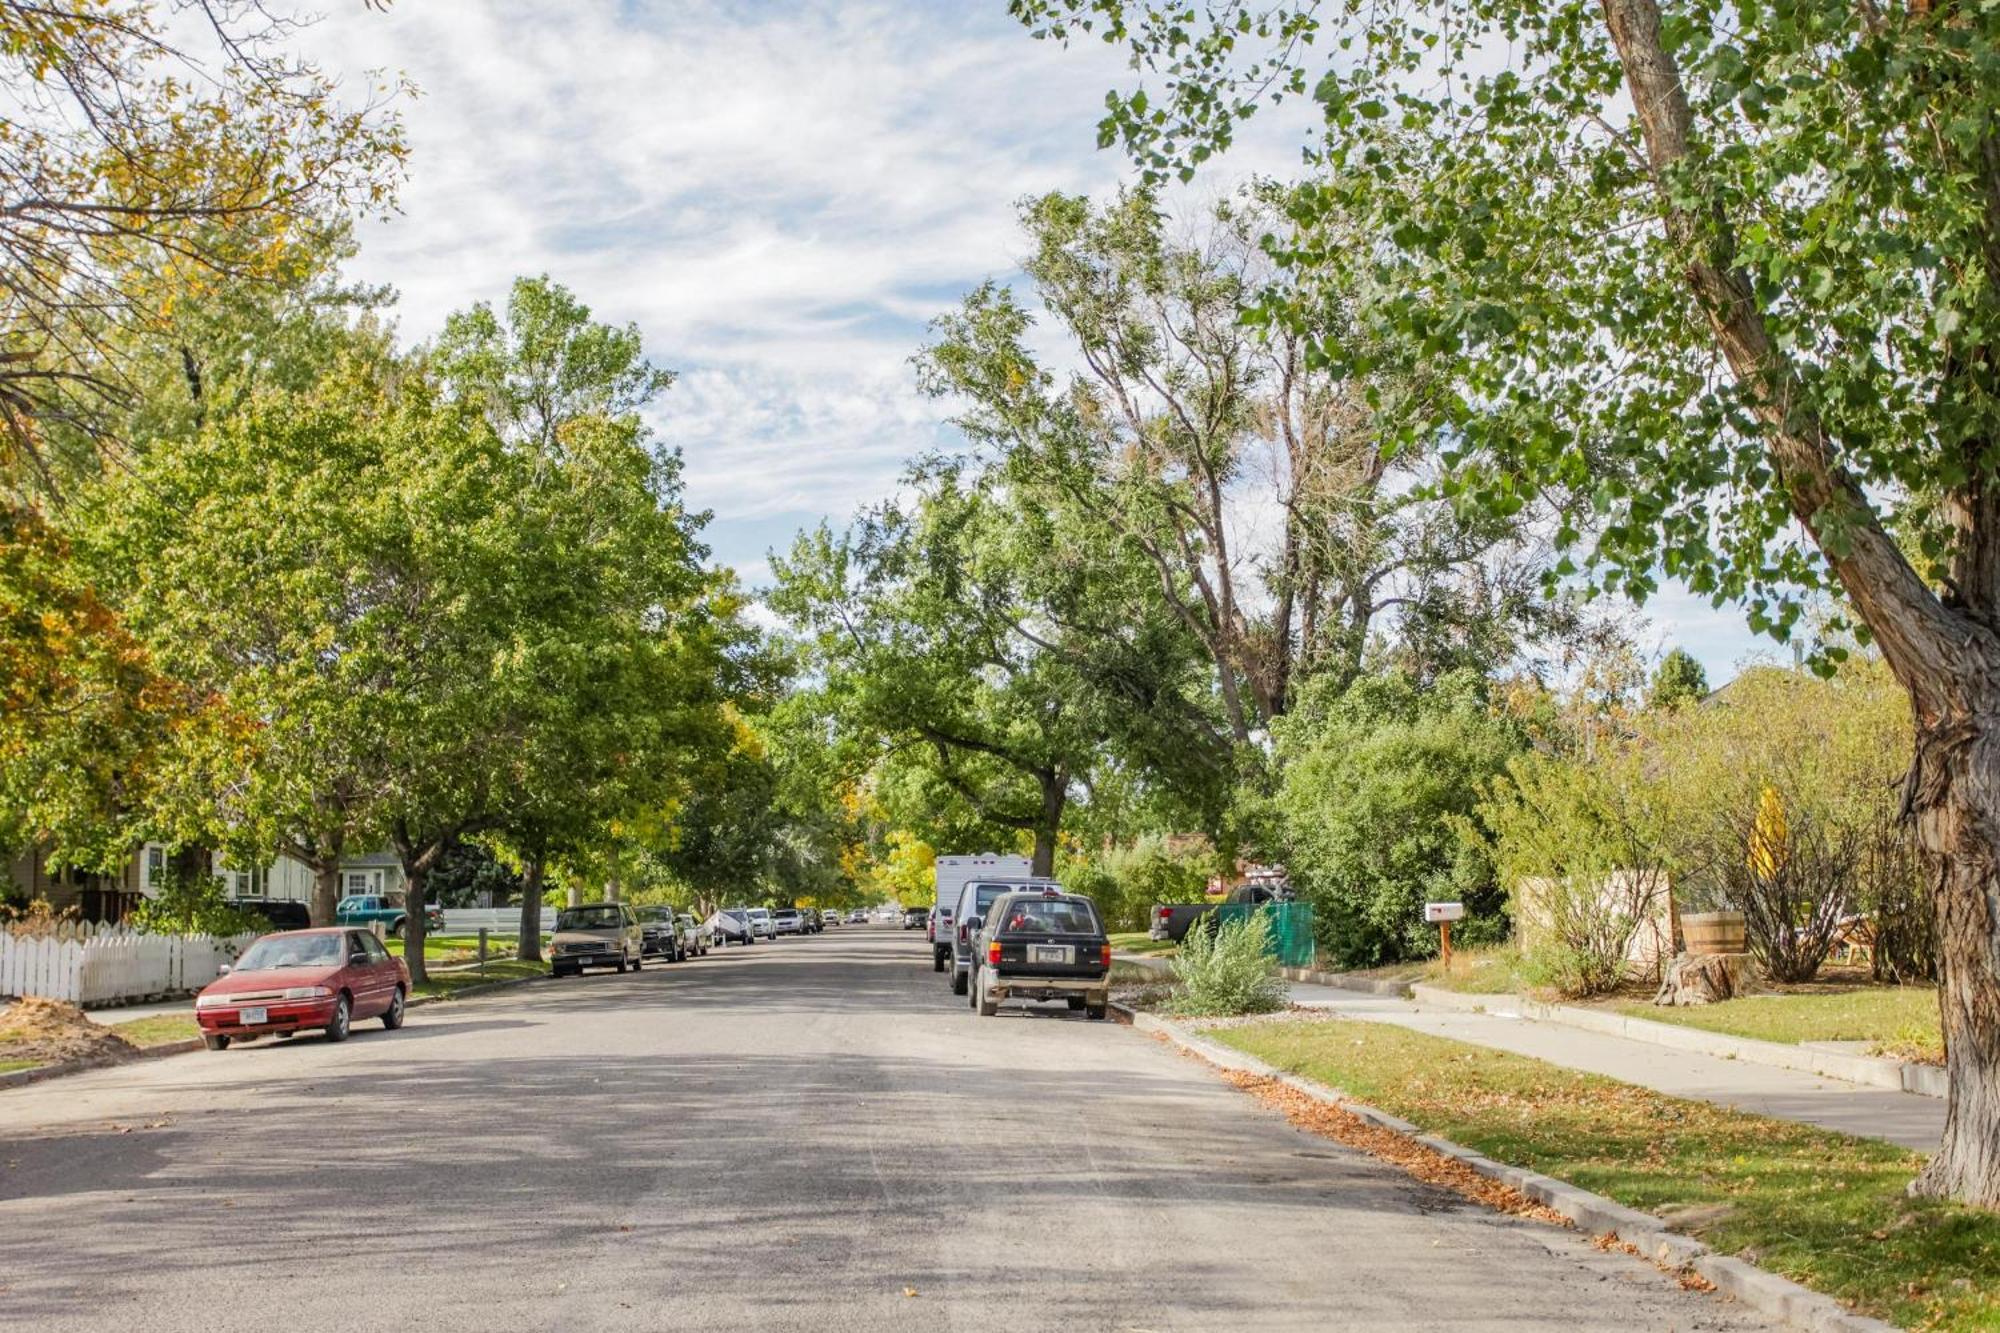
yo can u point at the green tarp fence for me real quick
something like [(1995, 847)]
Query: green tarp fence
[(1290, 924)]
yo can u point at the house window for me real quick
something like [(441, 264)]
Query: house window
[(152, 868), (362, 882)]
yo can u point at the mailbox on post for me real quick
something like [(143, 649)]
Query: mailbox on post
[(1444, 914)]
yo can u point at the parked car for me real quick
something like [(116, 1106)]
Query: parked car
[(696, 936), (660, 933), (366, 909), (277, 913), (858, 917), (760, 922), (596, 935), (731, 926), (298, 980), (973, 899), (916, 918), (1172, 921), (1042, 944), (828, 919), (786, 921)]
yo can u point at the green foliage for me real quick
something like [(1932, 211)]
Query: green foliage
[(1125, 882), (1374, 779), (469, 872), (191, 905), (1581, 845), (1229, 971), (1680, 680)]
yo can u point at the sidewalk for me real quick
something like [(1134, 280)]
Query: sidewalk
[(1783, 1094)]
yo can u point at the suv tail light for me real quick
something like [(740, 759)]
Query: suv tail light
[(1105, 957), (993, 952), (962, 934)]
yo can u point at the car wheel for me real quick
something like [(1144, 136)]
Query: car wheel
[(958, 982), (392, 1017), (1075, 1002), (215, 1043), (1095, 1011), (343, 1019), (396, 930), (987, 1007)]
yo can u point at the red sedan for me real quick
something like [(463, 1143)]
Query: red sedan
[(298, 979)]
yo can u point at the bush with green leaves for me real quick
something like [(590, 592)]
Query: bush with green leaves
[(1580, 844), (1375, 777), (192, 905), (1229, 970)]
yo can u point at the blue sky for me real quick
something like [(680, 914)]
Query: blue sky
[(779, 194)]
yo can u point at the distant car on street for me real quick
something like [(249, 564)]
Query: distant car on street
[(365, 909), (299, 980), (858, 917), (915, 918), (760, 922), (1039, 944), (660, 934), (787, 921), (696, 936), (596, 935), (828, 919), (731, 926)]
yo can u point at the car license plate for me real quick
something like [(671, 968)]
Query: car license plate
[(1048, 953), (251, 1017)]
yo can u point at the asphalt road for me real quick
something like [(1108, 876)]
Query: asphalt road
[(812, 1134)]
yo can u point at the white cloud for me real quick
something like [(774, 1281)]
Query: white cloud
[(779, 195)]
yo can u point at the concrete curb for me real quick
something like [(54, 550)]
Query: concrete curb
[(1763, 1291), (1347, 981), (22, 1077), (1151, 962), (1866, 1070)]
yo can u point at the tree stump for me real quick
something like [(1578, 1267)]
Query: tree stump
[(1703, 978)]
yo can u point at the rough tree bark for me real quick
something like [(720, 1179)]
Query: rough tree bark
[(531, 911), (1945, 654)]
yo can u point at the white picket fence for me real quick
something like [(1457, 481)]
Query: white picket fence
[(115, 965)]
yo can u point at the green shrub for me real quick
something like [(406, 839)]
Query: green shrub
[(194, 906), (1229, 971)]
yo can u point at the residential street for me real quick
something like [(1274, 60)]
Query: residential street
[(810, 1134)]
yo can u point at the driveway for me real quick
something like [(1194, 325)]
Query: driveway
[(809, 1134)]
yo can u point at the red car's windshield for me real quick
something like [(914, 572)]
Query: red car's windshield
[(290, 951)]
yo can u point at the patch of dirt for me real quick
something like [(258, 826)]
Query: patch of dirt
[(51, 1032)]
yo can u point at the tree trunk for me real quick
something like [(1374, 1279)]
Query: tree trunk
[(575, 892), (531, 912), (1944, 653), (1955, 796), (415, 884), (1055, 795), (326, 890)]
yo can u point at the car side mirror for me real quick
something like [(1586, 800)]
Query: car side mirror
[(357, 959), (974, 922), (222, 969)]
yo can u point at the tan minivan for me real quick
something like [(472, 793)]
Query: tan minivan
[(596, 935)]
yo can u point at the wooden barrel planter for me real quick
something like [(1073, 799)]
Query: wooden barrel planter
[(1713, 932)]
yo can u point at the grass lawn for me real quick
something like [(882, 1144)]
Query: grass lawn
[(505, 969), (1822, 1208), (457, 948), (158, 1031), (9, 1066), (1901, 1020), (1139, 942)]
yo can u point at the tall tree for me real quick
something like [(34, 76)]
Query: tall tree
[(148, 139), (964, 631), (1724, 276), (1249, 476)]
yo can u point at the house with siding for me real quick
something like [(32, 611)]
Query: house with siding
[(109, 897)]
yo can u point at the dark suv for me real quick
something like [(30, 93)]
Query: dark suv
[(1040, 944), (278, 913)]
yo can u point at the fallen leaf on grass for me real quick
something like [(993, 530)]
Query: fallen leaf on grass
[(909, 1291)]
